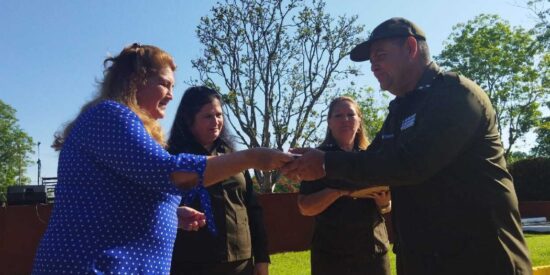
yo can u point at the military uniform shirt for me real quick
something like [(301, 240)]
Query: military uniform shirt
[(453, 199), (238, 217)]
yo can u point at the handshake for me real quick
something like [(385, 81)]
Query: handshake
[(298, 164)]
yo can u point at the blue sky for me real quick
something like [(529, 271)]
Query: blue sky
[(53, 50)]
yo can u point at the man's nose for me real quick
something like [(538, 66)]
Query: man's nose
[(373, 66)]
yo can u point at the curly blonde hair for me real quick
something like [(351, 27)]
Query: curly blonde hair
[(123, 75)]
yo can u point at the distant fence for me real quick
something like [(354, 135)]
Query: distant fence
[(21, 228)]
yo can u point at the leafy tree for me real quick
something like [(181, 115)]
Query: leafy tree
[(542, 30), (503, 61), (516, 156), (15, 145), (542, 17), (542, 149), (277, 62)]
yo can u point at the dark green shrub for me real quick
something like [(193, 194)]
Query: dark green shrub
[(532, 179)]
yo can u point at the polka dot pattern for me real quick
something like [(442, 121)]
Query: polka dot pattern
[(115, 207), (206, 205)]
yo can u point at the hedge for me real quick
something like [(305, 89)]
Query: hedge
[(532, 179)]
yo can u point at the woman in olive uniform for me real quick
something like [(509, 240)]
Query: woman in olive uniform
[(350, 236), (240, 244)]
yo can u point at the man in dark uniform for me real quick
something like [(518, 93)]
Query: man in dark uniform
[(455, 210)]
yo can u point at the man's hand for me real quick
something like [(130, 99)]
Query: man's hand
[(190, 219), (307, 167), (382, 199)]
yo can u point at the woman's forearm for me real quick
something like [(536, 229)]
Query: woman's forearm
[(314, 204), (222, 167), (217, 169)]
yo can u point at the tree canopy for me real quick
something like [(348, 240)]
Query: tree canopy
[(542, 30), (15, 145), (509, 63), (542, 149)]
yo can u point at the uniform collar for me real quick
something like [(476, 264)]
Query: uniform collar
[(335, 147), (427, 78), (192, 146)]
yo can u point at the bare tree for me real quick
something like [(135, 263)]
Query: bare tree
[(278, 62)]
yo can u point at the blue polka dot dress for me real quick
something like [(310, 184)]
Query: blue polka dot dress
[(115, 207)]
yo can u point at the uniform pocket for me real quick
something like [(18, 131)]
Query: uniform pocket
[(238, 240)]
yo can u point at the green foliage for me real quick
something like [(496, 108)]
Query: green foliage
[(15, 145), (542, 149), (285, 185), (275, 62), (542, 14), (532, 179), (509, 63), (517, 156)]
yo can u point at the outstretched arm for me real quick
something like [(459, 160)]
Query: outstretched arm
[(221, 167)]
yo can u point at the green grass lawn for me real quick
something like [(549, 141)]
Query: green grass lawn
[(539, 247), (297, 263)]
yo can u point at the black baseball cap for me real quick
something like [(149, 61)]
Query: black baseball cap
[(394, 27)]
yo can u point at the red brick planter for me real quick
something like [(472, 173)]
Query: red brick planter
[(21, 228)]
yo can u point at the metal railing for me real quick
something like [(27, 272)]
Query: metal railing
[(50, 183)]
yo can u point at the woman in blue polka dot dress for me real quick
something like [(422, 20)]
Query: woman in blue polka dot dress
[(117, 197)]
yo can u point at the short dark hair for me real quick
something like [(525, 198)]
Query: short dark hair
[(423, 48), (194, 98)]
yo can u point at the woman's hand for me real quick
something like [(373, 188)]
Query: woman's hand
[(269, 159), (222, 167), (190, 219)]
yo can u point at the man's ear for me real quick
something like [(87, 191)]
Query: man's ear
[(412, 44)]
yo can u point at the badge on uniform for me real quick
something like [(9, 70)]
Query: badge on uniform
[(408, 122)]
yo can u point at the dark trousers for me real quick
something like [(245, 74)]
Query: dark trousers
[(328, 264), (243, 267)]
